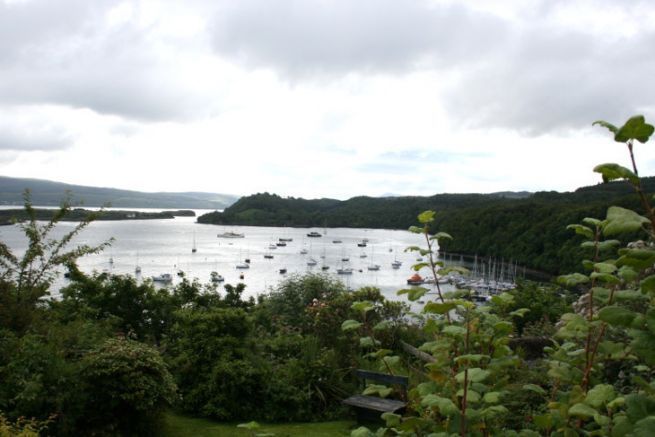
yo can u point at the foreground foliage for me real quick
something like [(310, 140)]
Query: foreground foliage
[(567, 359), (599, 362)]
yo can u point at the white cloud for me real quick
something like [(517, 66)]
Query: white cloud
[(320, 98)]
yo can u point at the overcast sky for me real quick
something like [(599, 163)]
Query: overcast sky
[(322, 98)]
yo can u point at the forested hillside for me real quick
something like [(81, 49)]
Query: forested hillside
[(530, 230)]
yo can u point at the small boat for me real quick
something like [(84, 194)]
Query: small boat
[(396, 264), (304, 252), (215, 277), (363, 255), (272, 246), (364, 240), (287, 240), (243, 266), (374, 267), (283, 271), (281, 244), (164, 277), (345, 271), (312, 262), (231, 235), (361, 244), (137, 269), (242, 276), (180, 273), (314, 234), (337, 241), (325, 268), (247, 260), (415, 279), (268, 256), (345, 259)]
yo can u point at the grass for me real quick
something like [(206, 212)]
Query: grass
[(182, 426)]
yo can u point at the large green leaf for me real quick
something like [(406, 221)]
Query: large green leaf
[(605, 277), (645, 427), (600, 395), (609, 126), (439, 236), (362, 431), (611, 172), (617, 316), (573, 279), (471, 358), (362, 306), (590, 221), (426, 217), (635, 128), (413, 294), (445, 406), (605, 267), (475, 374), (439, 308), (582, 230), (621, 220), (492, 397), (391, 419), (368, 342), (454, 330), (582, 410), (350, 325), (628, 274), (648, 284), (377, 390), (534, 388), (636, 258)]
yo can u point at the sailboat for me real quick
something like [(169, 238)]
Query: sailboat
[(193, 248), (396, 264), (137, 268), (373, 266)]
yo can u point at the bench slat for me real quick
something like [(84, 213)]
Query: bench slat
[(382, 377), (375, 403)]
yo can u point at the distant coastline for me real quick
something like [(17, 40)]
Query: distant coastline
[(11, 216)]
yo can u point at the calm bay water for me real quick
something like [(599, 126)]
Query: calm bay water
[(164, 246)]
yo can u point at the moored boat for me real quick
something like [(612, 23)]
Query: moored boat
[(415, 279), (215, 277), (164, 277), (230, 234)]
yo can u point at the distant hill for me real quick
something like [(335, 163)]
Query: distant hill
[(524, 227), (49, 193)]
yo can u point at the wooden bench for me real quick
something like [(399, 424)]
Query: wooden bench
[(370, 408)]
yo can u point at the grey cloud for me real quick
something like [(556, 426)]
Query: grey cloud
[(557, 81), (530, 75), (63, 53), (301, 38)]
